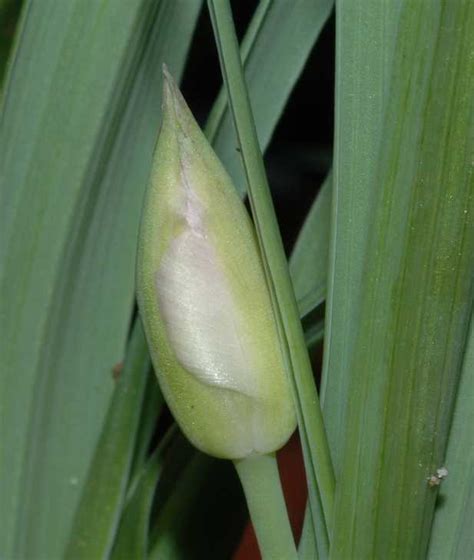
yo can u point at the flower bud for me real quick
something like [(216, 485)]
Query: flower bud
[(204, 301)]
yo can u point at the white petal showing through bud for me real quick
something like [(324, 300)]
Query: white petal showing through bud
[(201, 319)]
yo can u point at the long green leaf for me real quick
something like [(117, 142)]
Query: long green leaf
[(417, 290), (308, 547), (269, 65), (364, 43), (151, 409), (309, 258), (132, 534), (275, 48), (452, 537), (203, 516), (80, 116), (97, 516), (310, 418)]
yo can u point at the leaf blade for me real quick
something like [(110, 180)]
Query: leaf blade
[(98, 512), (276, 270), (78, 214), (451, 535), (308, 261), (418, 292), (365, 36), (132, 534), (269, 66)]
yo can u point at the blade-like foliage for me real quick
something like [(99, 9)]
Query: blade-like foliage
[(417, 291), (274, 50), (150, 410), (452, 537), (132, 534), (97, 515), (269, 65), (194, 519), (309, 258), (316, 451), (80, 116), (364, 42)]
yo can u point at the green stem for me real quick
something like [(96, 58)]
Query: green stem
[(262, 487)]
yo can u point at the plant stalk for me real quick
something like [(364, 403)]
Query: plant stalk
[(262, 487)]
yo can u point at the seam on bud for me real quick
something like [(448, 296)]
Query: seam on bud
[(193, 211)]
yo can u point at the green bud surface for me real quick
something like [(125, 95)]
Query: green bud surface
[(204, 301)]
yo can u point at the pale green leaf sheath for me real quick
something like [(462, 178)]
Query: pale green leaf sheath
[(204, 301)]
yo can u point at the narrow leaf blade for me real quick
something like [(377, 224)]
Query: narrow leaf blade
[(274, 51), (276, 269), (97, 515), (133, 532), (364, 43), (417, 291), (309, 258), (451, 534), (77, 140)]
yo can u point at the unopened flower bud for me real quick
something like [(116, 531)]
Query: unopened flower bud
[(203, 299)]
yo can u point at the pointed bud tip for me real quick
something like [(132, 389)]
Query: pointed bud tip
[(173, 99), (168, 84), (168, 78)]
